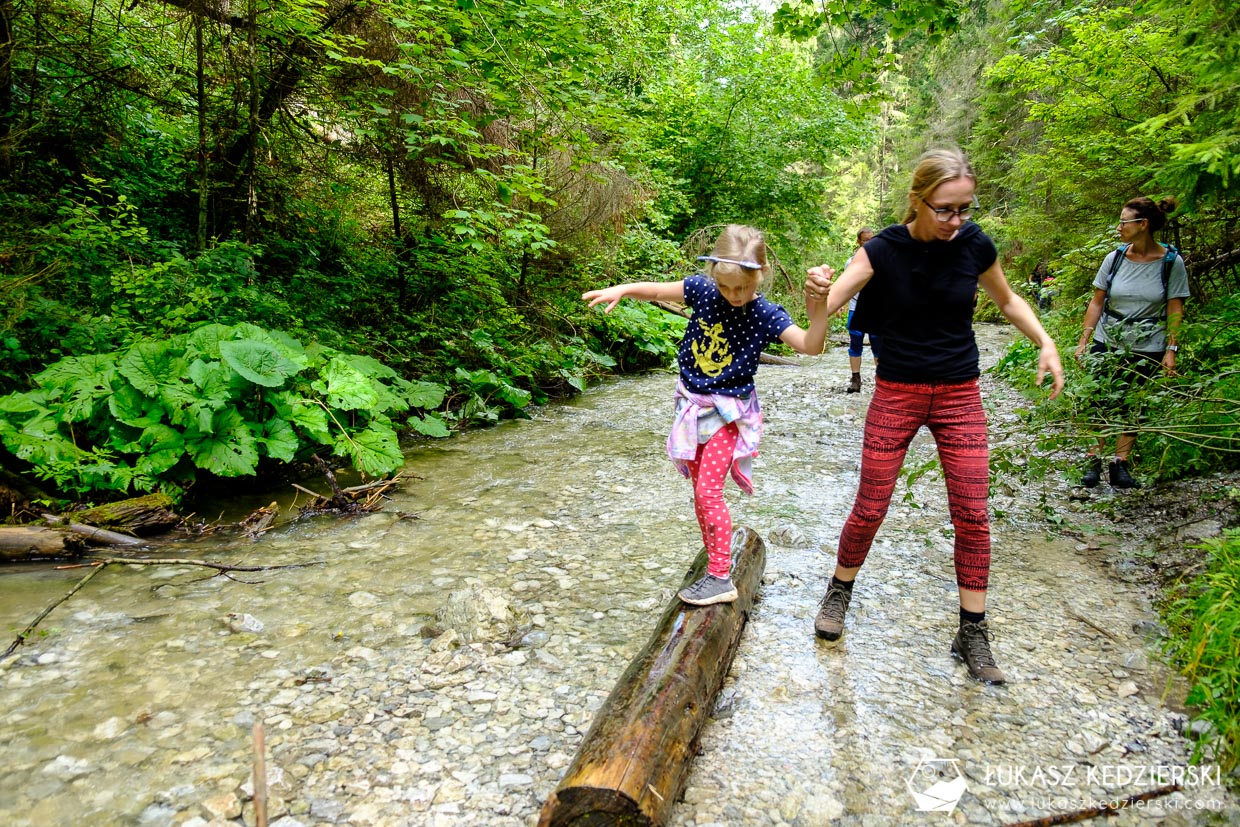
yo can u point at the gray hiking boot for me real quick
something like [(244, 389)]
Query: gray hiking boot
[(829, 624), (972, 645), (708, 591)]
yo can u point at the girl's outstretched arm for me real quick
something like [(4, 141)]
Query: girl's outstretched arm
[(1019, 313), (650, 291)]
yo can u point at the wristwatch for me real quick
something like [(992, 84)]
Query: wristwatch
[(1173, 348)]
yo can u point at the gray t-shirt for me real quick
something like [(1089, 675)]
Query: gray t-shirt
[(1137, 294)]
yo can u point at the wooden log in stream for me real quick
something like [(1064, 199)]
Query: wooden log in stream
[(632, 764), (35, 542)]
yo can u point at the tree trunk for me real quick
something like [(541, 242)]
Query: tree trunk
[(632, 765), (35, 542), (7, 114)]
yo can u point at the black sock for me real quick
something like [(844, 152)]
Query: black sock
[(971, 617), (846, 585)]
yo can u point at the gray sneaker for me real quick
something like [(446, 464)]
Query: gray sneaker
[(829, 624), (708, 591), (972, 645)]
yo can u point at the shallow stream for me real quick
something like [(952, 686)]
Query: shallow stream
[(135, 705)]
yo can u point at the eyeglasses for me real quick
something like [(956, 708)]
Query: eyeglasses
[(1124, 221), (945, 214), (748, 265)]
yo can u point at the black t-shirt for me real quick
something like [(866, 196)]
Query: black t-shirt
[(920, 300)]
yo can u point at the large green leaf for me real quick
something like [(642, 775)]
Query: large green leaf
[(162, 448), (205, 341), (260, 362), (152, 367), (229, 450), (429, 425), (82, 381), (374, 450), (424, 394), (133, 408), (279, 439), (346, 387), (306, 415)]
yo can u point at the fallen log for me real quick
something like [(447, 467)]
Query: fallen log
[(632, 764), (140, 516), (100, 536), (36, 542)]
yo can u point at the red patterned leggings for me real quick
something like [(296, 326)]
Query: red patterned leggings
[(955, 417), (709, 472)]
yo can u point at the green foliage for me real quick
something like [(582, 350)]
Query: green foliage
[(222, 399), (1186, 424), (1205, 646)]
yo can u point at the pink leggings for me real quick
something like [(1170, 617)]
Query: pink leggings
[(709, 472), (955, 417)]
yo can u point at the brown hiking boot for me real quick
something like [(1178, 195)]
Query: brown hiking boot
[(972, 645), (854, 384), (829, 624)]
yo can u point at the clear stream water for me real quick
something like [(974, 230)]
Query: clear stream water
[(134, 704)]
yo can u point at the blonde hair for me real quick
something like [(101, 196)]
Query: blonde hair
[(938, 166), (739, 242)]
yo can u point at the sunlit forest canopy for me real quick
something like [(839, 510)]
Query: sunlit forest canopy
[(433, 184)]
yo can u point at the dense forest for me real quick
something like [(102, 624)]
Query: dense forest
[(235, 236), (232, 235)]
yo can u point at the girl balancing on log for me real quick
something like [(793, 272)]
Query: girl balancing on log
[(921, 277), (718, 419)]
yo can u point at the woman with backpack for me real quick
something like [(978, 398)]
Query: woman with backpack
[(1134, 316)]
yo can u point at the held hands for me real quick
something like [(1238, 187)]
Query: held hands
[(818, 284)]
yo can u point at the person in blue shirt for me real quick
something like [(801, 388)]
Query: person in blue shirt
[(718, 420)]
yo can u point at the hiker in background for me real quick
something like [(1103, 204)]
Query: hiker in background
[(924, 274), (1134, 316), (718, 420), (857, 337)]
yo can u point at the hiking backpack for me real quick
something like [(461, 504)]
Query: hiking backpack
[(1168, 261)]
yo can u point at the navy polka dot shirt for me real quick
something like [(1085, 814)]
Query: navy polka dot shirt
[(720, 350)]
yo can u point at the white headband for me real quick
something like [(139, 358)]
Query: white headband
[(748, 265)]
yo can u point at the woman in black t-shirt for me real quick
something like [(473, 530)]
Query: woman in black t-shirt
[(920, 279)]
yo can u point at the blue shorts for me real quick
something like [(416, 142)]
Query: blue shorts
[(855, 338)]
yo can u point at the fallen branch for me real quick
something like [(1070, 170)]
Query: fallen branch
[(100, 565), (1104, 809), (260, 775), (90, 532)]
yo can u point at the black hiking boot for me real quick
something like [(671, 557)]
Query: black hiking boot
[(854, 385), (829, 624), (1120, 478), (972, 645), (1093, 472)]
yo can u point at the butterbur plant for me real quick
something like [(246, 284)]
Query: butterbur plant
[(222, 399)]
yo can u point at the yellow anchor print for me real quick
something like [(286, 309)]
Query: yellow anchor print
[(711, 355)]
